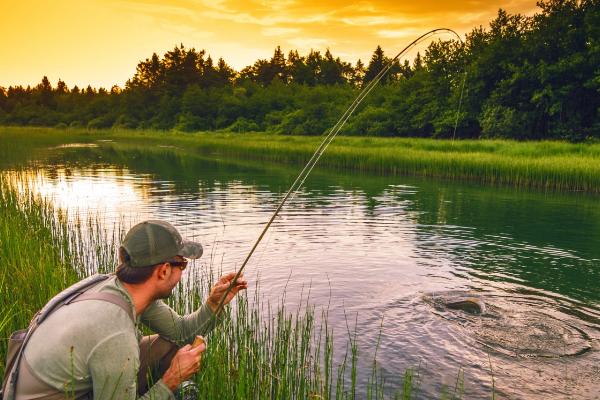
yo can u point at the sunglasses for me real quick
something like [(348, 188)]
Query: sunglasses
[(179, 264)]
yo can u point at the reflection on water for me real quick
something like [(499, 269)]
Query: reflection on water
[(373, 247), (88, 190)]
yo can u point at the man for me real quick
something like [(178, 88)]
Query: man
[(93, 349)]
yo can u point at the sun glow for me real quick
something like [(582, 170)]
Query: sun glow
[(100, 42)]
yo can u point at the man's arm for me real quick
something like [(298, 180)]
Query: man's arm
[(181, 330)]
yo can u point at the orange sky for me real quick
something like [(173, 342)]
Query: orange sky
[(99, 42)]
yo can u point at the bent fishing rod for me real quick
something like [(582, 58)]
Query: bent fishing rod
[(299, 181)]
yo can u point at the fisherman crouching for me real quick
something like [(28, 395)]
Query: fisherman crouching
[(85, 343)]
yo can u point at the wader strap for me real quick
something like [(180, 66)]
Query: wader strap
[(30, 387), (108, 297)]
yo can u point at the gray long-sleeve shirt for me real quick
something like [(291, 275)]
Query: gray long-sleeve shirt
[(93, 345)]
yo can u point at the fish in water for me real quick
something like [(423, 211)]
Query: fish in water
[(472, 305), (457, 301)]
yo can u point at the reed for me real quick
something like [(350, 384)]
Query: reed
[(35, 258), (40, 252), (549, 165)]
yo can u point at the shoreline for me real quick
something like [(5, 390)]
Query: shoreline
[(547, 165)]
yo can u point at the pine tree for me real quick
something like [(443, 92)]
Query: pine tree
[(278, 69), (225, 73), (418, 62), (331, 70), (61, 87), (358, 74), (313, 64), (375, 66), (44, 88), (296, 67)]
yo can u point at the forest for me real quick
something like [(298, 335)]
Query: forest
[(522, 77)]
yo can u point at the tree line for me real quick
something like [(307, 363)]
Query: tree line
[(523, 77)]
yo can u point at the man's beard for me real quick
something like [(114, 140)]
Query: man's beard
[(166, 294)]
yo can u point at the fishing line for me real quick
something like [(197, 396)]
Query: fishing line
[(308, 167), (462, 90)]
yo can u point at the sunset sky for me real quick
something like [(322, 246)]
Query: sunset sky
[(99, 42)]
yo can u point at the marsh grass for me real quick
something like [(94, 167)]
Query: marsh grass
[(258, 351), (550, 165), (34, 256), (41, 253)]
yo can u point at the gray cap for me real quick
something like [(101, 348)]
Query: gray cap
[(153, 242)]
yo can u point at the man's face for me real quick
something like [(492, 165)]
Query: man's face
[(173, 278)]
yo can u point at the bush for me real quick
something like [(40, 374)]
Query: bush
[(102, 122), (243, 125), (503, 122), (372, 121), (126, 121), (273, 119), (192, 123), (298, 122)]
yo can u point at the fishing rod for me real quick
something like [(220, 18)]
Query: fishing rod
[(299, 181)]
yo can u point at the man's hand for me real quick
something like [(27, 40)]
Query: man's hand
[(185, 364), (218, 290)]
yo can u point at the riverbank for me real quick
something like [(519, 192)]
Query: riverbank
[(548, 165)]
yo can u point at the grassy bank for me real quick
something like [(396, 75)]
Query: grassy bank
[(547, 165), (259, 351)]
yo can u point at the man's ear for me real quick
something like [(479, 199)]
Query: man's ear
[(163, 271)]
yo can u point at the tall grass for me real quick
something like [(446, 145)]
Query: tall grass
[(550, 165), (40, 254), (34, 257), (258, 351)]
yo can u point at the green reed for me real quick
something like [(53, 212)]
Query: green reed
[(259, 350), (40, 253), (549, 165), (34, 255)]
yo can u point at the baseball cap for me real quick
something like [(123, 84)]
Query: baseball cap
[(153, 242)]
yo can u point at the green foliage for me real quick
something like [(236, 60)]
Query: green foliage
[(124, 121), (187, 122), (242, 125), (101, 122), (372, 121), (502, 122)]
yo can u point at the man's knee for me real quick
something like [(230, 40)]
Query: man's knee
[(156, 354), (155, 348)]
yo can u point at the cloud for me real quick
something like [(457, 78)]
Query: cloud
[(279, 31), (367, 20), (399, 33), (268, 20), (280, 5), (310, 43)]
